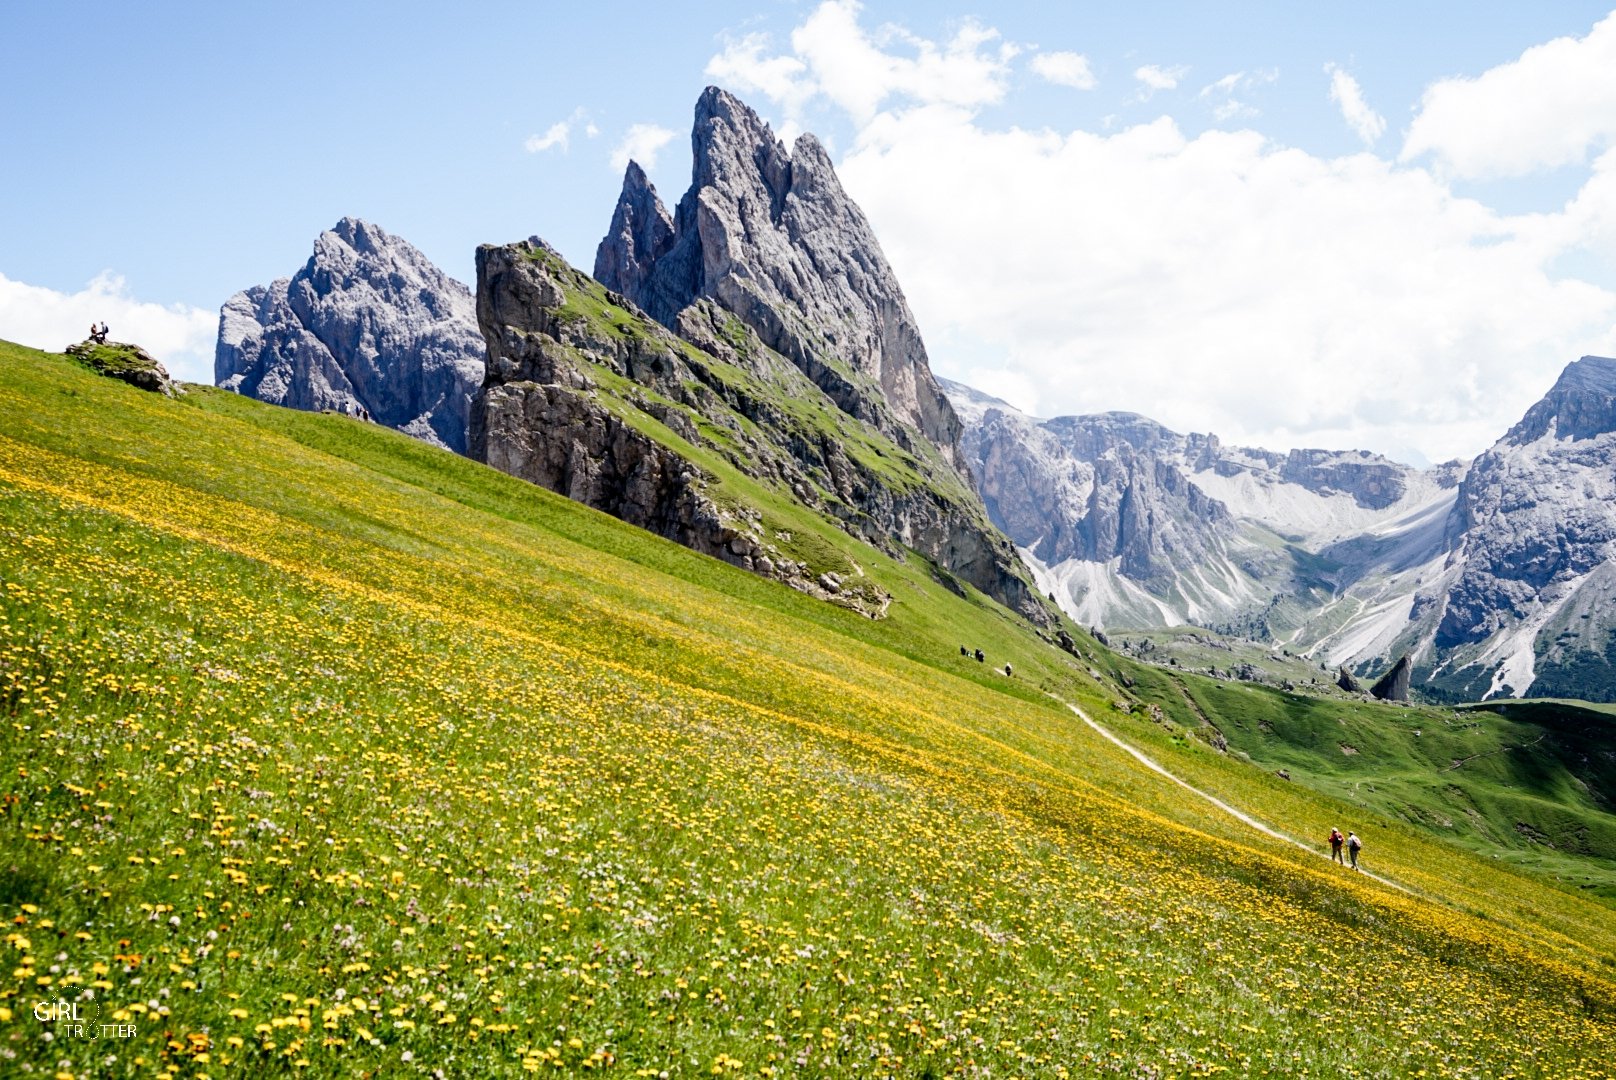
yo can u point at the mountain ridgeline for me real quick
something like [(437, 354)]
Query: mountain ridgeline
[(750, 353), (753, 348), (744, 375), (1494, 577)]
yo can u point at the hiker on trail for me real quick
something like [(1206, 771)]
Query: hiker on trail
[(1336, 840), (979, 656), (1007, 670), (964, 651), (1353, 846)]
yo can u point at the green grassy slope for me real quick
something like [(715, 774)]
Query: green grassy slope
[(1532, 784), (329, 753)]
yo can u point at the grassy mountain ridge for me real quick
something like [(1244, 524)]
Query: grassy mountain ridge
[(363, 757), (715, 440)]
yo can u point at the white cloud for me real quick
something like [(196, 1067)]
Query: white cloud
[(1065, 69), (1220, 95), (743, 67), (555, 135), (641, 143), (1547, 108), (1346, 93), (180, 336), (1223, 282), (863, 71), (1159, 78), (559, 134)]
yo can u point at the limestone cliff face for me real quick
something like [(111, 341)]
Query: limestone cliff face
[(1532, 575), (770, 235), (367, 324), (1496, 576), (574, 370)]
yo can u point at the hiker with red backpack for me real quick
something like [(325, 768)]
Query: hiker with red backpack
[(1336, 840)]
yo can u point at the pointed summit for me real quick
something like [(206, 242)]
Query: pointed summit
[(1581, 404), (770, 235), (641, 233), (368, 327)]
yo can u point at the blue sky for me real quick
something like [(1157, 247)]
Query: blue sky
[(173, 155)]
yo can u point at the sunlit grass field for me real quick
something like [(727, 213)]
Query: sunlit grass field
[(330, 754)]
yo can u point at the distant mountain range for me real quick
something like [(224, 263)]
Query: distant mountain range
[(1494, 577), (758, 324)]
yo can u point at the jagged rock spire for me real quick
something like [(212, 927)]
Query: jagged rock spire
[(772, 237)]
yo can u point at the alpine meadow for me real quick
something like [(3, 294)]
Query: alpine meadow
[(813, 627), (400, 764)]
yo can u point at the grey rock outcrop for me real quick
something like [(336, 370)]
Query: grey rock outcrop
[(1393, 686), (1347, 681), (126, 363), (541, 415), (367, 325), (770, 235)]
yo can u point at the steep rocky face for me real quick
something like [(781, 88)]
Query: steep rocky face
[(1132, 524), (1534, 534), (1393, 686), (1373, 482), (1142, 509), (575, 372), (368, 324), (1492, 577), (770, 235)]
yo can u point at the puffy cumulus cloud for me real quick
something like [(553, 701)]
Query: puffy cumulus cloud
[(743, 67), (559, 134), (1217, 283), (1348, 96), (1064, 69), (1550, 107), (180, 336), (862, 71), (1223, 283), (641, 143)]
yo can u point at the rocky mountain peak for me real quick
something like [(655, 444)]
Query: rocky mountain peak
[(1580, 405), (769, 234), (641, 233), (368, 326)]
